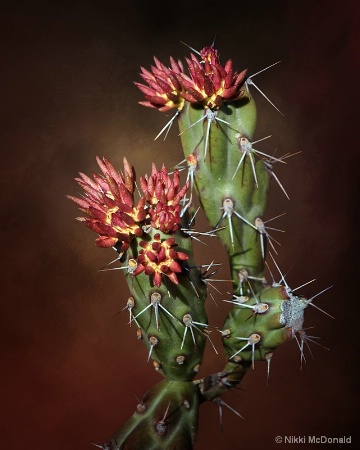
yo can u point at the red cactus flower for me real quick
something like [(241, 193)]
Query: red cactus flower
[(108, 203), (209, 84), (164, 195), (163, 90), (158, 258)]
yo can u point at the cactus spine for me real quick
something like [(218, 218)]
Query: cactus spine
[(217, 119)]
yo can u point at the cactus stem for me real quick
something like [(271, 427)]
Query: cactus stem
[(252, 340), (167, 126), (211, 117), (249, 80)]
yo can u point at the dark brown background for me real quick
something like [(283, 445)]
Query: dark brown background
[(70, 367)]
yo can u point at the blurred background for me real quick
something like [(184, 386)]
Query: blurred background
[(71, 368)]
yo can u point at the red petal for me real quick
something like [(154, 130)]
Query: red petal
[(105, 241), (175, 267), (182, 256), (157, 279), (173, 278)]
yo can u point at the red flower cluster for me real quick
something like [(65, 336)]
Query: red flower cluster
[(163, 90), (164, 195), (158, 258), (210, 84), (109, 205)]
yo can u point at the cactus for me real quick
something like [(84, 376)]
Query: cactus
[(153, 237)]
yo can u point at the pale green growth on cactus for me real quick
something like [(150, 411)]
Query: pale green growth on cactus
[(153, 236)]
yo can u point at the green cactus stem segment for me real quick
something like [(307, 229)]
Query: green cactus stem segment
[(276, 319), (215, 385), (233, 199), (159, 311), (166, 418), (273, 324)]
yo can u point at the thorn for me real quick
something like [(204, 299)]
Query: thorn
[(260, 226), (282, 276), (111, 262), (222, 403), (324, 312), (228, 208), (190, 324), (305, 284), (153, 341), (249, 81), (191, 48), (161, 425), (309, 301), (130, 304), (252, 340), (155, 302), (268, 358), (193, 217), (269, 167), (266, 68), (167, 126), (246, 148)]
